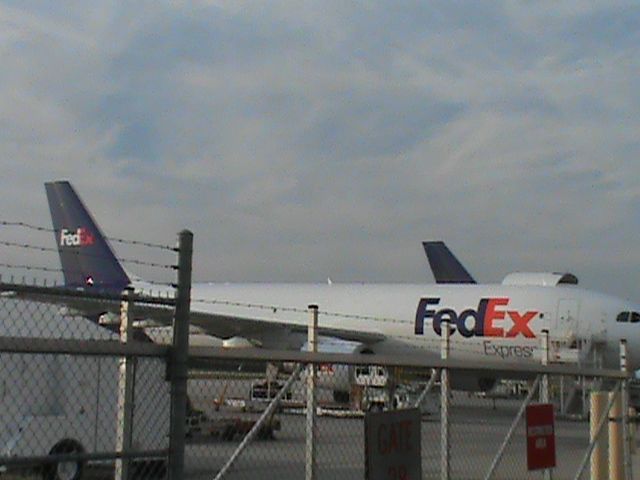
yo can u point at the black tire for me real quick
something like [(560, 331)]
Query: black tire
[(341, 396), (64, 470), (149, 469), (228, 433), (266, 433)]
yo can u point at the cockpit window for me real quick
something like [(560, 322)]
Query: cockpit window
[(623, 317), (633, 317)]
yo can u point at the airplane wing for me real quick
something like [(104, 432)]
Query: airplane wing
[(226, 326), (267, 332)]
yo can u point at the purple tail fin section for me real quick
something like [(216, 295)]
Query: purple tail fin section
[(445, 266), (86, 257)]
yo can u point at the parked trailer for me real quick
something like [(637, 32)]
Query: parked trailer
[(56, 404), (228, 429), (202, 428)]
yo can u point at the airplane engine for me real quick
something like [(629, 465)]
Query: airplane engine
[(468, 382), (461, 381), (237, 342)]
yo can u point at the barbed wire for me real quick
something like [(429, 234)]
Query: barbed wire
[(130, 261), (280, 308), (31, 268), (433, 344), (29, 226), (13, 266), (415, 342)]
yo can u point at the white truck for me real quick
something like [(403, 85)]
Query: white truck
[(53, 404), (363, 387)]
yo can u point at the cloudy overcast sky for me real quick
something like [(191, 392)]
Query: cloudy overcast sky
[(302, 140)]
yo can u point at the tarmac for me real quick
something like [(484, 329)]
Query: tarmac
[(477, 431)]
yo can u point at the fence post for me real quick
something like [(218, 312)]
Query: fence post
[(126, 377), (616, 467), (310, 455), (595, 433), (544, 387), (179, 357), (626, 446), (445, 451), (599, 465)]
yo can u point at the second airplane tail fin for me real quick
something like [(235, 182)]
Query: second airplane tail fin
[(445, 266), (85, 254)]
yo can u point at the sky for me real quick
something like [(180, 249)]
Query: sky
[(302, 140)]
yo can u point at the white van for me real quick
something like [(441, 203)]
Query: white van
[(52, 404)]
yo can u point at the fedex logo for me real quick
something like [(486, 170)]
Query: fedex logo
[(488, 320), (82, 237)]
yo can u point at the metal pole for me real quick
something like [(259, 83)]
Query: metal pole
[(427, 388), (512, 429), (126, 376), (445, 452), (616, 465), (598, 431), (544, 387), (179, 357), (632, 430), (310, 456), (583, 395), (599, 463), (544, 390), (624, 390)]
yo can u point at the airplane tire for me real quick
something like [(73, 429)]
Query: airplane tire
[(71, 470)]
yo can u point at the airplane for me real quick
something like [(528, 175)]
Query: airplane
[(489, 323)]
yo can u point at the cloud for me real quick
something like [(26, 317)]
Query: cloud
[(301, 141)]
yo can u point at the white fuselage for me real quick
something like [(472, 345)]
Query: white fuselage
[(493, 323)]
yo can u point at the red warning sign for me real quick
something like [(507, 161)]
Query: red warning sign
[(541, 439)]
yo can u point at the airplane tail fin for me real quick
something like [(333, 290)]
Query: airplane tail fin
[(445, 266), (85, 254)]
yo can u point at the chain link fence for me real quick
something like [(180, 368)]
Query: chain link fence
[(62, 390), (91, 387), (487, 437)]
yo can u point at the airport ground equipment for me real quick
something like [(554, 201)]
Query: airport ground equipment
[(202, 429), (372, 388), (267, 415), (362, 388), (264, 391)]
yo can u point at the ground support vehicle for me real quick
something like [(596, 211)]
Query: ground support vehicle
[(64, 404)]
